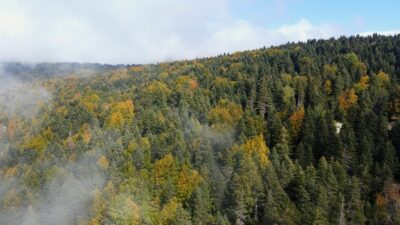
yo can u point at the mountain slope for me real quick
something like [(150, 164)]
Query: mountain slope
[(304, 133)]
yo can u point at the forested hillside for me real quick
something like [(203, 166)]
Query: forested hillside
[(304, 133)]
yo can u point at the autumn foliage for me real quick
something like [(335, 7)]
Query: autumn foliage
[(296, 120), (347, 99)]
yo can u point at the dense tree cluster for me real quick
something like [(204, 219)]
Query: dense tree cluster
[(304, 133)]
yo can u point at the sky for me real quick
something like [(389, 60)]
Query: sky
[(151, 31)]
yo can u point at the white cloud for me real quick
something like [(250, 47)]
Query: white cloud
[(387, 32), (304, 30), (13, 22), (241, 35), (134, 31)]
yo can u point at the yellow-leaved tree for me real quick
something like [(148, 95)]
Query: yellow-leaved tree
[(296, 121), (362, 84), (256, 148), (90, 103), (167, 213), (347, 99), (115, 120), (103, 162), (164, 170), (188, 181), (122, 113), (86, 133), (225, 114)]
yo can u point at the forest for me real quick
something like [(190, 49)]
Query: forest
[(302, 133)]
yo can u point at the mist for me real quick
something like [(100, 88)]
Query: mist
[(65, 200), (62, 199), (20, 98)]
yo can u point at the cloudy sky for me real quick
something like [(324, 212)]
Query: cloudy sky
[(149, 31)]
